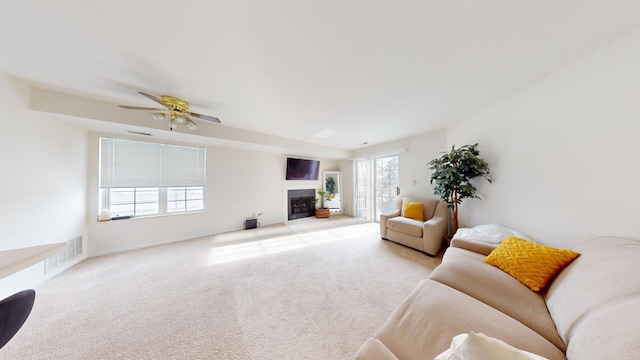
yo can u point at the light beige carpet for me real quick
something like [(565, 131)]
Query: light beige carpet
[(311, 294)]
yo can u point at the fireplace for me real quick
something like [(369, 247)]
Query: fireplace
[(301, 203)]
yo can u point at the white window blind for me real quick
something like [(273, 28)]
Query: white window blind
[(127, 163)]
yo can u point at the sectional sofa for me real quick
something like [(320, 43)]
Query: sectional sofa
[(589, 310)]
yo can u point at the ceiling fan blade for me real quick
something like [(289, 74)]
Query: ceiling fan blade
[(205, 117), (154, 98), (141, 108)]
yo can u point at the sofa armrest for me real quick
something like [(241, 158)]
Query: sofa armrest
[(433, 231), (383, 222), (474, 245), (374, 349), (390, 214)]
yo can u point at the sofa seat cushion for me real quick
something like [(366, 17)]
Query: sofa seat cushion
[(405, 225), (467, 272), (617, 330), (605, 276), (424, 324)]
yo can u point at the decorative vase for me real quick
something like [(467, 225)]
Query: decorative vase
[(322, 212)]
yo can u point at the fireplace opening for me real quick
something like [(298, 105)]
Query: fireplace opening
[(301, 203)]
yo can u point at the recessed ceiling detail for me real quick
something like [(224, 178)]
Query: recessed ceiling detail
[(324, 134)]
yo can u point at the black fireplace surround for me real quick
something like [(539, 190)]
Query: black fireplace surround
[(301, 203)]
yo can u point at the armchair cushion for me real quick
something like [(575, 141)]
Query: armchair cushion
[(405, 226), (412, 210)]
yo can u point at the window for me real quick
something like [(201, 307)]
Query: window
[(185, 198), (141, 178), (133, 201)]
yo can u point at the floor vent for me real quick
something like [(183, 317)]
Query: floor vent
[(74, 249)]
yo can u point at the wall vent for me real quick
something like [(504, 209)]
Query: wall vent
[(74, 249)]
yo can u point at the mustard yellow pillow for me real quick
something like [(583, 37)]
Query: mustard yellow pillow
[(412, 210), (532, 264)]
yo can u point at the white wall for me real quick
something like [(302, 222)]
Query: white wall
[(413, 163), (564, 151), (43, 182), (239, 184)]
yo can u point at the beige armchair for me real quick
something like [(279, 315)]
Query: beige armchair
[(427, 235)]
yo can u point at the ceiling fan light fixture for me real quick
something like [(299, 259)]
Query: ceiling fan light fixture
[(175, 113), (158, 116)]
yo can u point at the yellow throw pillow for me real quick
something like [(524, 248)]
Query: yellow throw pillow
[(412, 210), (532, 264)]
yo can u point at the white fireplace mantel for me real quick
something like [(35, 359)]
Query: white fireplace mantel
[(295, 186)]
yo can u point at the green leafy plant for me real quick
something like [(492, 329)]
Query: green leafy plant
[(322, 197), (330, 184), (452, 173)]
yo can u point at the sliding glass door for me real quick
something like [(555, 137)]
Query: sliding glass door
[(361, 176), (385, 184), (375, 185)]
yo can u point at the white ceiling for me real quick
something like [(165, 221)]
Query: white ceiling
[(362, 70)]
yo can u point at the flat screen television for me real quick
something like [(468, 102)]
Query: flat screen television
[(302, 169)]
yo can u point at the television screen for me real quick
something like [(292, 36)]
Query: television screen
[(302, 169)]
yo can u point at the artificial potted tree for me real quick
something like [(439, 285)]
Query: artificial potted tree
[(322, 211), (452, 175)]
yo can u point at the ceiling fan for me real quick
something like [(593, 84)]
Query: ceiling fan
[(176, 112)]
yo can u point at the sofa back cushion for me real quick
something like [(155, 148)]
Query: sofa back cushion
[(605, 277)]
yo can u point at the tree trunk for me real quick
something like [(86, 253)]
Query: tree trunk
[(454, 213), (454, 220)]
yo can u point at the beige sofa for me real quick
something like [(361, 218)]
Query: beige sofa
[(426, 236), (591, 310)]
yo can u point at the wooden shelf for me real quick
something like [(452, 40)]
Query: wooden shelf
[(12, 261)]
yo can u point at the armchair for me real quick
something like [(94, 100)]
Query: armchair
[(426, 236)]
